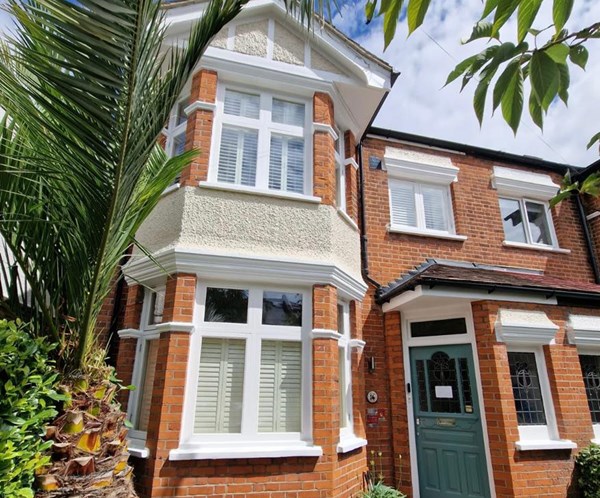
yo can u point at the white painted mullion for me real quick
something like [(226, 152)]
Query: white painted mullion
[(419, 206), (270, 38), (239, 157), (264, 142), (251, 386), (284, 163), (523, 208)]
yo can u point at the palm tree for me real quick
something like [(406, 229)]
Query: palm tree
[(86, 86)]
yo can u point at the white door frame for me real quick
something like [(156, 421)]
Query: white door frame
[(460, 310)]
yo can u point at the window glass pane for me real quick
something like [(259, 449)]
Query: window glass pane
[(286, 164), (146, 385), (237, 156), (181, 115), (226, 305), (438, 327), (402, 198), (343, 386), (157, 305), (434, 204), (220, 386), (526, 389), (242, 104), (422, 386), (512, 219), (179, 144), (341, 326), (282, 308), (538, 223), (290, 113), (279, 405), (590, 369), (340, 186)]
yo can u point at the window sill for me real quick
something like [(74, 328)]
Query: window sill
[(426, 233), (137, 448), (256, 191), (548, 444), (595, 441), (350, 443), (521, 245), (170, 188), (257, 450), (347, 219)]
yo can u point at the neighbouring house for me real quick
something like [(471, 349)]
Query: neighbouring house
[(329, 292)]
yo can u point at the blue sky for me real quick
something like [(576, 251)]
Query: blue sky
[(418, 103)]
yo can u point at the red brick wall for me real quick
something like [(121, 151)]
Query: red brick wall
[(323, 150)]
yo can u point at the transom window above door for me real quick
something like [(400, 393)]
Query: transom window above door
[(261, 140)]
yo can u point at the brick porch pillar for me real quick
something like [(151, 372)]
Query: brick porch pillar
[(324, 149), (326, 382), (198, 133), (169, 381)]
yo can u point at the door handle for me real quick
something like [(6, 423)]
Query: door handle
[(408, 387)]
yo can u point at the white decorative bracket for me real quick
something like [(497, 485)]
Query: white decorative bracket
[(199, 105), (326, 334)]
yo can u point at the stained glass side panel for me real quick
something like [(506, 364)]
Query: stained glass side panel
[(423, 405), (443, 383), (526, 389), (590, 369), (465, 381)]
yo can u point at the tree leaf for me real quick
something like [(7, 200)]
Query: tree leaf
[(561, 196), (416, 13), (504, 10), (544, 77), (479, 99), (561, 10), (489, 6), (460, 68), (370, 10), (528, 9), (564, 80), (512, 101), (593, 140), (503, 83), (390, 21), (535, 111), (558, 53), (482, 29), (579, 56)]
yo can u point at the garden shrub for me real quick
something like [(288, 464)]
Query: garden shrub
[(27, 402), (588, 466), (380, 490)]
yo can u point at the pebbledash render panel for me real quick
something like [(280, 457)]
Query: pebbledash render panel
[(481, 320), (245, 344)]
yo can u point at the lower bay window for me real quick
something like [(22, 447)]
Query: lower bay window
[(249, 375), (590, 370)]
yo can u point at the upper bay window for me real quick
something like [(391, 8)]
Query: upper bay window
[(174, 131), (261, 141)]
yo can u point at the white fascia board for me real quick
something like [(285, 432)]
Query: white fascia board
[(243, 268), (584, 330), (419, 166), (524, 327), (410, 299), (514, 182)]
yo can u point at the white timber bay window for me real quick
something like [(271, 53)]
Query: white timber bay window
[(139, 407), (525, 334), (249, 375), (419, 193), (340, 171), (261, 142)]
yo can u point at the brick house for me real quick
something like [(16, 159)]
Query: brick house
[(325, 285)]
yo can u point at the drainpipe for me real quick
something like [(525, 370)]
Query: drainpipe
[(364, 257), (588, 238)]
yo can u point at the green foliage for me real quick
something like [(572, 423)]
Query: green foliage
[(380, 490), (27, 402), (87, 87), (545, 59), (588, 466)]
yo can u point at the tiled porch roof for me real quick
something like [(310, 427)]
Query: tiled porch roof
[(474, 275)]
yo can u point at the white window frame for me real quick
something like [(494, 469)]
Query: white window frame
[(539, 437), (249, 443), (523, 208), (346, 430), (173, 130), (148, 332), (265, 128), (340, 167), (421, 227)]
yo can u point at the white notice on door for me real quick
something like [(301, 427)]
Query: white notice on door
[(443, 391)]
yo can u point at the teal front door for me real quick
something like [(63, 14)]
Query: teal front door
[(450, 451)]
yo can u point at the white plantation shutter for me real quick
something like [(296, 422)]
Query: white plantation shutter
[(290, 113), (242, 104), (147, 385), (402, 198), (280, 388), (237, 156), (286, 164), (434, 205), (220, 386)]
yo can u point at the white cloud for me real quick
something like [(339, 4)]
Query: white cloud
[(418, 103)]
